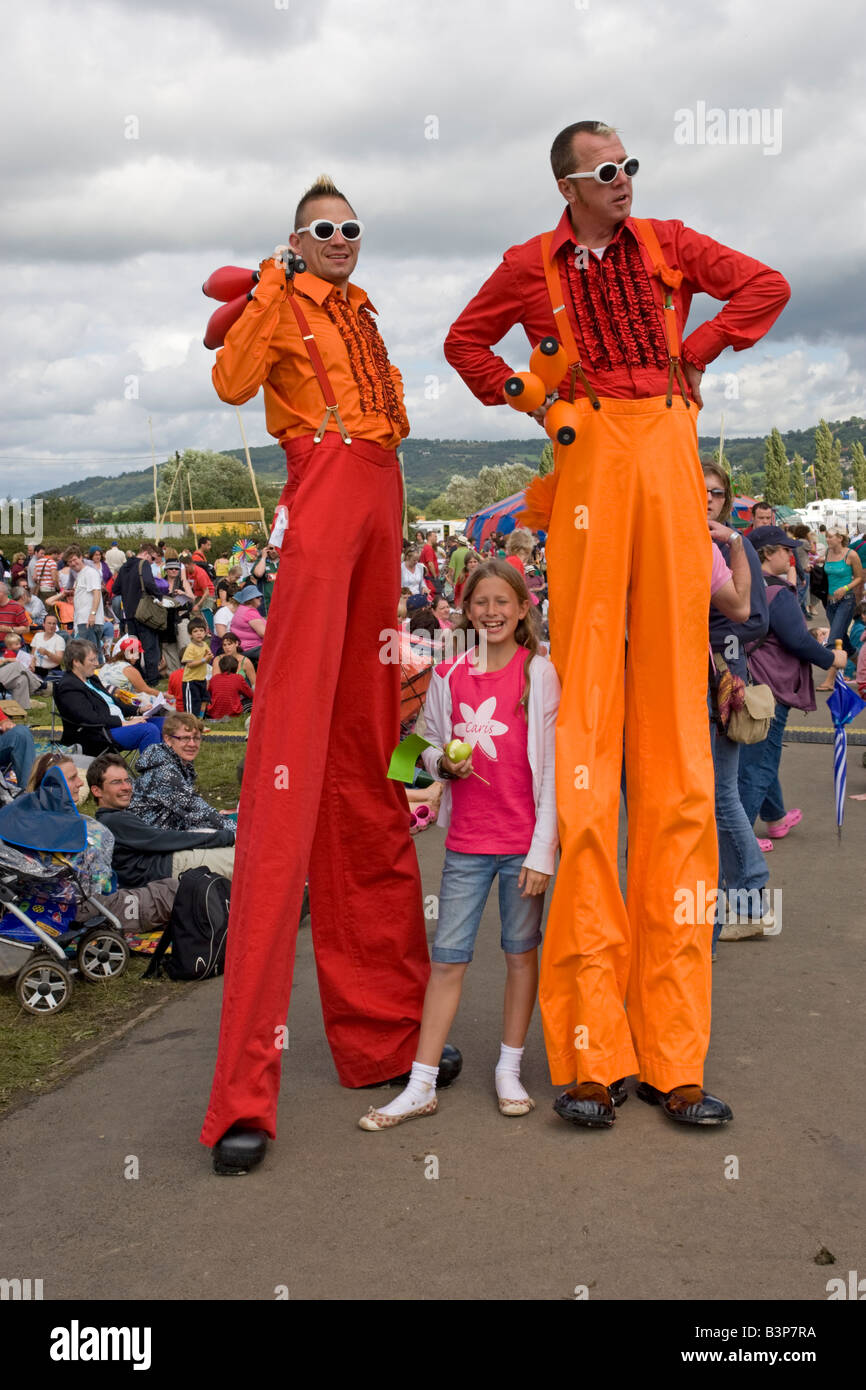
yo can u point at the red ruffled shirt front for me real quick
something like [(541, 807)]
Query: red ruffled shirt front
[(614, 305)]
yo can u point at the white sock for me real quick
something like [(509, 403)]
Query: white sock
[(421, 1090), (507, 1074)]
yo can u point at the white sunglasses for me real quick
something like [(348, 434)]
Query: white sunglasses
[(607, 172), (323, 229)]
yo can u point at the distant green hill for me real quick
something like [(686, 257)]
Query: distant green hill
[(429, 464)]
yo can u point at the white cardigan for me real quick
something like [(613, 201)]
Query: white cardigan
[(544, 692)]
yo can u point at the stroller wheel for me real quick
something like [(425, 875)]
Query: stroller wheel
[(44, 986), (102, 954)]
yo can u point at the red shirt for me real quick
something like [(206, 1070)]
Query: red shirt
[(226, 689), (12, 615), (614, 307), (200, 580)]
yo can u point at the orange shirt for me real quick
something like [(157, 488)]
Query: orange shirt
[(264, 348)]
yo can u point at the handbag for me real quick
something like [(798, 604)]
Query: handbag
[(148, 611), (746, 710)]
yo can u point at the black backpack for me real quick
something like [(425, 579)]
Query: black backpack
[(196, 930)]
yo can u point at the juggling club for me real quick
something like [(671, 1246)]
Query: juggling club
[(222, 319), (525, 391), (562, 422), (229, 281), (550, 362)]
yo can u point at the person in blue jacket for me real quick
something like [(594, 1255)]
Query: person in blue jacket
[(784, 659)]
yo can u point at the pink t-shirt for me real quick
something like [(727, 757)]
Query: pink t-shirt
[(721, 574), (499, 818), (246, 635)]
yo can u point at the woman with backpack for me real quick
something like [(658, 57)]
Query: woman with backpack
[(782, 660)]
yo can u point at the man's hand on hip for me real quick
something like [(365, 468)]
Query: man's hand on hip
[(693, 381)]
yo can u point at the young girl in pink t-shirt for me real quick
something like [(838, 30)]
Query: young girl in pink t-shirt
[(499, 808)]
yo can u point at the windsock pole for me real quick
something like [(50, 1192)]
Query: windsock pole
[(155, 495), (252, 474)]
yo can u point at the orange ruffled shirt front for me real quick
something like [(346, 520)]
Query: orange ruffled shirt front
[(264, 348)]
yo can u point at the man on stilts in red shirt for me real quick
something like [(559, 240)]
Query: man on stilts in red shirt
[(625, 985)]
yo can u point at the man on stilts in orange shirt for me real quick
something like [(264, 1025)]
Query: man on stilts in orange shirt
[(326, 705), (625, 986)]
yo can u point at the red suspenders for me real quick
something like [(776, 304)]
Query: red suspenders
[(319, 368)]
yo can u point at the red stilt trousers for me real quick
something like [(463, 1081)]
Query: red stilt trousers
[(316, 801)]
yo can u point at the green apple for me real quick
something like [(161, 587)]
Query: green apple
[(458, 751)]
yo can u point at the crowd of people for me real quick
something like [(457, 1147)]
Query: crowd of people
[(72, 629), (72, 624), (625, 981)]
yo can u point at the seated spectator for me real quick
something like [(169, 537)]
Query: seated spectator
[(142, 852), (423, 626), (17, 749), (13, 618), (175, 687), (412, 572), (93, 864), (248, 623), (519, 548), (165, 793), (146, 908), (122, 672), (232, 647), (18, 571), (194, 660), (442, 613), (87, 709), (225, 610), (47, 648), (33, 607), (200, 581), (15, 676), (229, 693)]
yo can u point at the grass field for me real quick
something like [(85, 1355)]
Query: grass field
[(37, 1053)]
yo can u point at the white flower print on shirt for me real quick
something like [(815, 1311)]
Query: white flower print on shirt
[(479, 727)]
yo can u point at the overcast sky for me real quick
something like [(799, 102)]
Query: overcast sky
[(152, 142)]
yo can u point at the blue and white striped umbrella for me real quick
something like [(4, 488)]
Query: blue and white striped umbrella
[(844, 705)]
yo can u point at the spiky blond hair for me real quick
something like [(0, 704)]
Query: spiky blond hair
[(324, 187)]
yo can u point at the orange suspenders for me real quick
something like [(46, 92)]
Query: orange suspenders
[(319, 368), (560, 318), (669, 280)]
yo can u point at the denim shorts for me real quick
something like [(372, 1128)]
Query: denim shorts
[(466, 883)]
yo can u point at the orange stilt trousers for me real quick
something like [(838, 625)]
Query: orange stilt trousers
[(625, 985)]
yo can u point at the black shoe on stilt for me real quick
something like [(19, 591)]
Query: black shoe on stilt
[(238, 1151), (450, 1067)]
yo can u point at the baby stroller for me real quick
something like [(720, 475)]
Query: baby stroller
[(41, 944), (41, 894)]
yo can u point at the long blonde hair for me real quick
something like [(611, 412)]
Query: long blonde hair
[(526, 633)]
